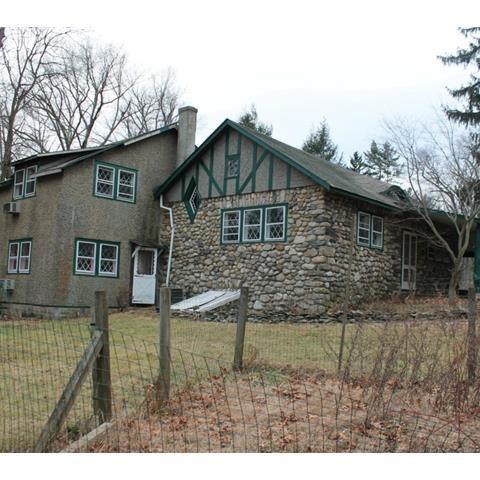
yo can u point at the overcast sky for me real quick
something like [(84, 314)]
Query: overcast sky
[(353, 63)]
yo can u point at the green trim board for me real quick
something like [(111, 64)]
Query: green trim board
[(115, 182), (96, 258), (20, 242), (263, 222), (192, 199)]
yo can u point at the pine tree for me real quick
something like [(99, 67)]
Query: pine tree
[(382, 162), (469, 94), (250, 119), (357, 164), (319, 143)]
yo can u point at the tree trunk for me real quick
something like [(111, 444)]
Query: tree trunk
[(452, 291)]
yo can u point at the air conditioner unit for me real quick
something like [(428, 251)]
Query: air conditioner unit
[(11, 207), (7, 285)]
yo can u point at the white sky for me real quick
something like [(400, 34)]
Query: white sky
[(352, 62)]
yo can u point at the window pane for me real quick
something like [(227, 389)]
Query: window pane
[(24, 264), (252, 225), (25, 249), (145, 262), (275, 227), (108, 259), (86, 257), (13, 258), (195, 200), (363, 231), (126, 185), (232, 166), (30, 182), (104, 183), (231, 227), (13, 249), (18, 183)]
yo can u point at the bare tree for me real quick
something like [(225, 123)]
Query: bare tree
[(153, 104), (26, 56), (441, 167), (85, 100)]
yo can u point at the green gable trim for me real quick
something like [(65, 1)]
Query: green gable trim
[(192, 186)]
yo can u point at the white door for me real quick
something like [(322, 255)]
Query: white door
[(409, 261), (144, 276)]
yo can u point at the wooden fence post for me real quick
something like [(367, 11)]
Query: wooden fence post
[(165, 359), (101, 376), (241, 324)]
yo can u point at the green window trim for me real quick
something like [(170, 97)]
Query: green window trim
[(20, 187), (368, 234), (192, 199), (113, 184), (234, 232), (17, 256), (90, 259)]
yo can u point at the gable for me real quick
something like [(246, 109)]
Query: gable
[(255, 168)]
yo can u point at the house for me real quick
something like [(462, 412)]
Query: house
[(241, 209), (82, 220), (249, 209)]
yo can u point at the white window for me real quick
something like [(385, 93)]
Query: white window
[(126, 185), (105, 181), (85, 257), (194, 200), (18, 184), (363, 228), (275, 223), (108, 260), (231, 227), (13, 250), (29, 181), (252, 225), (19, 256), (377, 232)]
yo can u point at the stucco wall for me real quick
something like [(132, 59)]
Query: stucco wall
[(302, 277), (64, 208)]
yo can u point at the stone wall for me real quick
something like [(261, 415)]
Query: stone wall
[(300, 278)]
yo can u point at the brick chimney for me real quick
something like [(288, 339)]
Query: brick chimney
[(187, 126)]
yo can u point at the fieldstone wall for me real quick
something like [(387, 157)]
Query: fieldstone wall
[(301, 278)]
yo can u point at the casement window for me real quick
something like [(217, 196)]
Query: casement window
[(115, 183), (231, 226), (232, 166), (23, 183), (369, 230), (192, 199), (96, 258), (254, 224), (19, 256)]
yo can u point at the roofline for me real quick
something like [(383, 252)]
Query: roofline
[(229, 123)]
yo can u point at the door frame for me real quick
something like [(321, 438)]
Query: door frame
[(410, 234)]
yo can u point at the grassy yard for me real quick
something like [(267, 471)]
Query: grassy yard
[(37, 358)]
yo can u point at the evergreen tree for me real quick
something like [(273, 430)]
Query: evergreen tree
[(469, 94), (250, 119), (382, 162), (319, 143), (357, 163)]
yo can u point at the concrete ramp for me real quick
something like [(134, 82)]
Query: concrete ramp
[(206, 301)]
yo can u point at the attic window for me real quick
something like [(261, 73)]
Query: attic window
[(192, 199), (233, 166), (115, 182)]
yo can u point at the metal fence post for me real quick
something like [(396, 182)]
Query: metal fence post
[(101, 376), (164, 377), (241, 324)]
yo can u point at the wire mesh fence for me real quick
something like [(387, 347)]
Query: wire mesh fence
[(402, 387)]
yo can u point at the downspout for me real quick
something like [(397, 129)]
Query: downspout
[(172, 234)]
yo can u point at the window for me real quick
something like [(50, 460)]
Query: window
[(23, 183), (233, 166), (231, 227), (370, 230), (96, 257), (19, 256), (192, 199), (116, 183), (377, 232), (254, 224), (275, 223)]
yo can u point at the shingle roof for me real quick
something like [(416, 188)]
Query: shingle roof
[(331, 176)]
